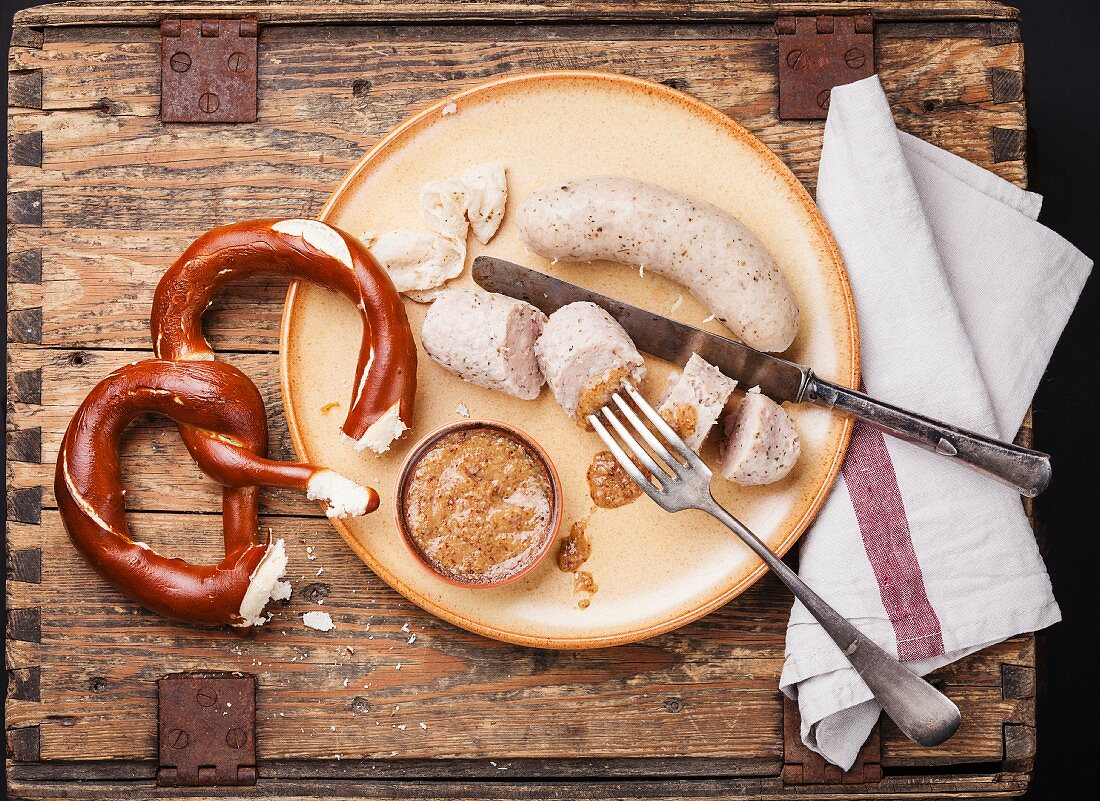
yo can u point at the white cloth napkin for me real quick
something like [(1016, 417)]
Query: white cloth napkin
[(961, 296)]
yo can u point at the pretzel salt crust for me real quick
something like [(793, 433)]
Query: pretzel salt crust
[(214, 402), (385, 377)]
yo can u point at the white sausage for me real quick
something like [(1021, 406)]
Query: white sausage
[(761, 442), (696, 400), (699, 245), (585, 355), (487, 339)]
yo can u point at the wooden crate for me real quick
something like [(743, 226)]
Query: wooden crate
[(101, 198)]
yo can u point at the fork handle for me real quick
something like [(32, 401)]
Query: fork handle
[(1026, 471), (923, 713)]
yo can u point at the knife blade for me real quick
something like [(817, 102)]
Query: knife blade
[(655, 334), (1027, 471)]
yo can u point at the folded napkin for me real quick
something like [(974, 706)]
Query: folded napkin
[(961, 296)]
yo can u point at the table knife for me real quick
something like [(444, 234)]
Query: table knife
[(1025, 470)]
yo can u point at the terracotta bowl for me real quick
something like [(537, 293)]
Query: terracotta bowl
[(521, 439)]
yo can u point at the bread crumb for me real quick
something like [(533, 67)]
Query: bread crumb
[(462, 410), (709, 318), (321, 621), (450, 108), (676, 304)]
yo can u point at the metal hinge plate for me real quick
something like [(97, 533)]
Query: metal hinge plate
[(208, 70), (207, 730), (818, 53)]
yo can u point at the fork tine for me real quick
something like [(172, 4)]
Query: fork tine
[(640, 452), (674, 439), (655, 444), (620, 456)]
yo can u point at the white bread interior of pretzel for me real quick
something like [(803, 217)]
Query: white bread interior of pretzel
[(264, 586), (342, 496)]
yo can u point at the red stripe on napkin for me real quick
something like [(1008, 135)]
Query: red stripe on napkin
[(873, 486)]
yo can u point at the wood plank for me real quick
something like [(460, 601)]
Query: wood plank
[(706, 691), (711, 669), (342, 11), (724, 667), (117, 195), (144, 191), (892, 787)]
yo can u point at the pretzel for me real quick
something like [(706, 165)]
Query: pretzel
[(221, 403), (385, 377)]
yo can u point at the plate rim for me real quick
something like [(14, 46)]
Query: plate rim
[(800, 193)]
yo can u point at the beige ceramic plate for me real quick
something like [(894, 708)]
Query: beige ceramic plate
[(654, 571)]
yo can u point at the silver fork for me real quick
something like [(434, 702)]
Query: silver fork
[(923, 713)]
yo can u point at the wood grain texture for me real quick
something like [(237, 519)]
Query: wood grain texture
[(381, 11), (145, 191), (102, 197)]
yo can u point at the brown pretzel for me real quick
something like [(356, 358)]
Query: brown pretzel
[(385, 378), (220, 401)]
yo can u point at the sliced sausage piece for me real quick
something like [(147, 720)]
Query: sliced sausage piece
[(696, 400), (487, 339), (761, 442), (689, 241), (586, 355)]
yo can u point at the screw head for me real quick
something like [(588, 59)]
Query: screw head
[(795, 60), (209, 102), (855, 58), (823, 99), (673, 704), (235, 738), (206, 696), (238, 62), (180, 62), (178, 738)]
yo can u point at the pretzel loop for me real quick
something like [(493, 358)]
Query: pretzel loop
[(221, 417), (209, 396), (385, 376)]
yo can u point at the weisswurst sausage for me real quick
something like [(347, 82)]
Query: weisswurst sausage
[(689, 241), (585, 355)]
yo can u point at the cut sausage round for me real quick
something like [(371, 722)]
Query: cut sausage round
[(696, 400), (586, 355), (487, 339), (761, 442), (689, 241)]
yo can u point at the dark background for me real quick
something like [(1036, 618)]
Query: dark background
[(1062, 49)]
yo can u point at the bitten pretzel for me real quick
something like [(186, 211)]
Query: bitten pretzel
[(219, 401), (385, 378)]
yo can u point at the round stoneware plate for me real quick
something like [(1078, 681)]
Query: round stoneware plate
[(654, 571)]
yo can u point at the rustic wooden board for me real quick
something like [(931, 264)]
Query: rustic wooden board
[(101, 198)]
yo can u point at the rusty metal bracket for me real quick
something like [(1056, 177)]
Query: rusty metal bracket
[(818, 53), (208, 70), (207, 730)]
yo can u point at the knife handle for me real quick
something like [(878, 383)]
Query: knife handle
[(1027, 471)]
